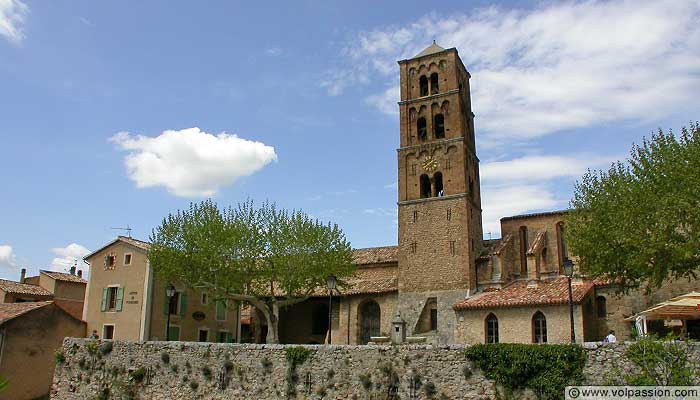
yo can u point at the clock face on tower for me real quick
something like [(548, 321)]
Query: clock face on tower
[(430, 164)]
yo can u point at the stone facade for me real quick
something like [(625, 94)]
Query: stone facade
[(229, 371)]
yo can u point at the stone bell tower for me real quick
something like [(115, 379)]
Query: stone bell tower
[(439, 198)]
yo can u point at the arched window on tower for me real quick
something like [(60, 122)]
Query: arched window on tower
[(523, 250), (601, 307), (439, 126), (439, 191), (424, 186), (434, 86), (539, 328), (491, 329), (422, 129), (423, 81)]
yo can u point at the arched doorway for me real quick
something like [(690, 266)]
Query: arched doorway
[(370, 317)]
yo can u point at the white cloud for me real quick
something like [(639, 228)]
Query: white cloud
[(502, 201), (68, 256), (12, 15), (273, 51), (190, 162), (539, 168), (555, 67), (7, 256), (523, 184)]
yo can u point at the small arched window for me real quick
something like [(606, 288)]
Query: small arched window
[(601, 307), (539, 328), (523, 250), (423, 81), (424, 186), (434, 85), (439, 126), (491, 329), (422, 129), (439, 191)]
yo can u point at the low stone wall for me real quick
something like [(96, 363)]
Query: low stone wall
[(179, 370)]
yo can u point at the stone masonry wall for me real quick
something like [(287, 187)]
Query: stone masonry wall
[(179, 370)]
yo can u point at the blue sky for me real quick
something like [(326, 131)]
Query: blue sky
[(116, 113)]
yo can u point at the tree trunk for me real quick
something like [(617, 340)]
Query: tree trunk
[(273, 325)]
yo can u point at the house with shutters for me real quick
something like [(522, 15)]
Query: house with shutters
[(126, 300)]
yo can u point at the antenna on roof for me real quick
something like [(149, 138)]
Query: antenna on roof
[(127, 230)]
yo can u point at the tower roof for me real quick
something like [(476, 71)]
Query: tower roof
[(432, 49)]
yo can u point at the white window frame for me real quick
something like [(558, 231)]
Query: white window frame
[(114, 331), (131, 259), (199, 331)]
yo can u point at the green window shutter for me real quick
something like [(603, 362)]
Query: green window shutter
[(183, 303), (120, 298), (220, 310), (104, 300)]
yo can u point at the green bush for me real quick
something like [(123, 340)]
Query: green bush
[(547, 369), (138, 375), (663, 363), (165, 357), (106, 348), (297, 355), (59, 357)]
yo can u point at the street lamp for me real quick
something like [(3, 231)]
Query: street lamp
[(569, 272), (331, 283), (170, 293)]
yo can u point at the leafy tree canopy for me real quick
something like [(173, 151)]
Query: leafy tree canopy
[(639, 221), (268, 257)]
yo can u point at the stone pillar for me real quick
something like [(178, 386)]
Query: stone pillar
[(398, 331)]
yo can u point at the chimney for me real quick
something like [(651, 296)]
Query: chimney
[(23, 275), (80, 273), (72, 270)]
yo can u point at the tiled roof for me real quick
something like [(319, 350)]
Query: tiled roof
[(9, 311), (60, 276), (145, 246), (373, 280), (376, 255), (518, 294), (432, 49), (23, 288)]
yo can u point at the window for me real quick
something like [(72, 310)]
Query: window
[(539, 328), (174, 305), (601, 307), (561, 244), (439, 192), (434, 87), (422, 129), (491, 329), (224, 337), (452, 247), (319, 323), (449, 214), (108, 332), (423, 82), (174, 333), (221, 310), (414, 247), (203, 335), (112, 298), (523, 250), (205, 298), (439, 126), (433, 319), (424, 186), (127, 259), (415, 216), (110, 261)]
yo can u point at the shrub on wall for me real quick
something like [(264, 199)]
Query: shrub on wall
[(545, 369), (662, 363)]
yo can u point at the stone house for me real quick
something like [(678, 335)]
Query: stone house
[(125, 300), (68, 289), (17, 292), (30, 333)]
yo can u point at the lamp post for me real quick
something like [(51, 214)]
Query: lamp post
[(331, 283), (569, 272), (170, 293)]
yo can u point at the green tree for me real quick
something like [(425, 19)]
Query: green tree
[(265, 256), (639, 221)]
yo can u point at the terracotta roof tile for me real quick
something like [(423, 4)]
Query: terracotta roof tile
[(135, 242), (376, 255), (9, 311), (23, 288), (60, 276), (518, 294)]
